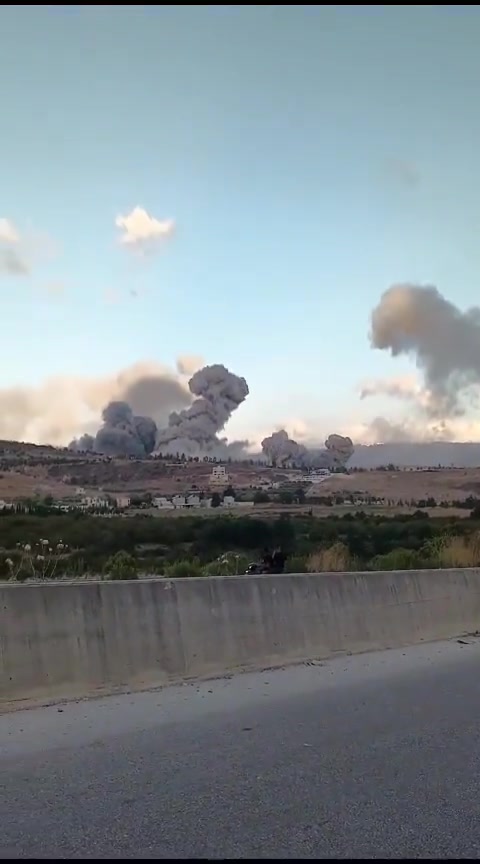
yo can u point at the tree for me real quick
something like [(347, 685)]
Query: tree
[(261, 497), (300, 495), (286, 497), (216, 500), (230, 492)]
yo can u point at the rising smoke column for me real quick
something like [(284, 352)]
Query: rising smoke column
[(280, 449), (339, 448), (444, 341), (122, 433), (195, 430)]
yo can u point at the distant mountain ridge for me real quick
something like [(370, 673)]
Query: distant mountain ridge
[(411, 454)]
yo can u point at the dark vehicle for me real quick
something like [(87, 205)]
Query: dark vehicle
[(270, 564), (255, 568)]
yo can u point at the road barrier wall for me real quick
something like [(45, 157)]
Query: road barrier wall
[(75, 639)]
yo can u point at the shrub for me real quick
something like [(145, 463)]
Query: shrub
[(397, 559), (459, 552), (333, 559), (296, 564), (184, 569), (121, 566)]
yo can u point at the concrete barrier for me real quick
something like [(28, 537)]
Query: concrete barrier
[(70, 640)]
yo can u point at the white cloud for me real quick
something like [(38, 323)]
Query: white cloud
[(142, 232), (22, 251), (13, 256), (8, 232)]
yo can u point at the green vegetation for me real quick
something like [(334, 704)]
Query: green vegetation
[(122, 548)]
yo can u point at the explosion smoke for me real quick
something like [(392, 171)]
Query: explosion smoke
[(195, 429), (445, 342), (280, 449), (123, 433)]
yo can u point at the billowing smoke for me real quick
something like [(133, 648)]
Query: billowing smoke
[(444, 341), (216, 393), (194, 430), (122, 433), (339, 448), (280, 449)]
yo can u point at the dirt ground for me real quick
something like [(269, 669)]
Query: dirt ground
[(442, 485)]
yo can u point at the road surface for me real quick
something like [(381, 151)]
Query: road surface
[(359, 757)]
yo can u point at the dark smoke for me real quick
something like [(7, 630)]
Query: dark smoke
[(280, 449), (122, 434), (444, 341), (195, 430)]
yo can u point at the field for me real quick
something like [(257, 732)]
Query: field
[(449, 484)]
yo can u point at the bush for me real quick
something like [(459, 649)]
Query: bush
[(459, 552), (121, 566), (296, 564), (184, 569), (333, 559), (397, 559)]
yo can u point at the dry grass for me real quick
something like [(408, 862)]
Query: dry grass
[(459, 552), (447, 484), (334, 559)]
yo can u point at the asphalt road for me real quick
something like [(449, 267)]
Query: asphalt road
[(360, 757)]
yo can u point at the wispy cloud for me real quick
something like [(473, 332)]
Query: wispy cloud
[(22, 251), (14, 260)]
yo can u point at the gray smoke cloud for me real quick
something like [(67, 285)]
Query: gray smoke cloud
[(138, 401), (280, 449), (419, 322), (194, 430), (216, 393), (122, 434)]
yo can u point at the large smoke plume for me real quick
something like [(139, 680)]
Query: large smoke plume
[(280, 449), (216, 393), (444, 341), (123, 433), (194, 430)]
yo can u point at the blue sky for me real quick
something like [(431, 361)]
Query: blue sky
[(310, 157)]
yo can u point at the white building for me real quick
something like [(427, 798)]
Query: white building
[(122, 501), (192, 500), (219, 476), (228, 501), (162, 503), (95, 501), (179, 501), (318, 476)]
